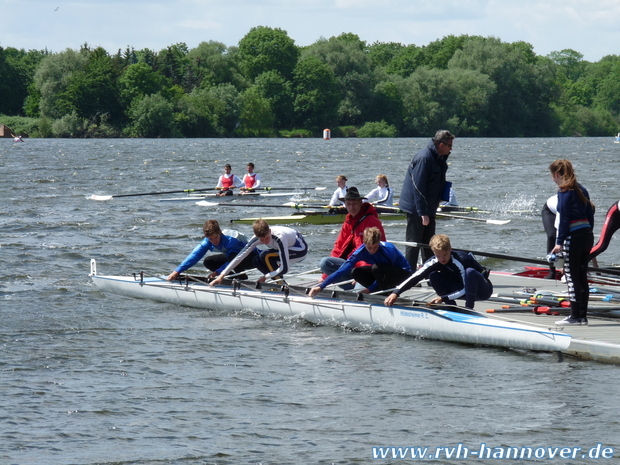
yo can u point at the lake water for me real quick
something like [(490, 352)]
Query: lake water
[(91, 378)]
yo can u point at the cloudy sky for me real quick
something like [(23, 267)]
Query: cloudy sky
[(586, 26)]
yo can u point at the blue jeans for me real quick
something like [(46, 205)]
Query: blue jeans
[(330, 265)]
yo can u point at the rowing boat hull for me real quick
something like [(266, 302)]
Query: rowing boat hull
[(315, 218), (332, 309), (198, 197)]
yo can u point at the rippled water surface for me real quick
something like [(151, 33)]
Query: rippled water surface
[(91, 378)]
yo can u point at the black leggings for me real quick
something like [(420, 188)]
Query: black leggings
[(577, 247), (214, 261), (417, 232), (548, 219)]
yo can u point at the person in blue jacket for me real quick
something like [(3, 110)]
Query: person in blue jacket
[(382, 265), (226, 247), (453, 274), (575, 238), (422, 192)]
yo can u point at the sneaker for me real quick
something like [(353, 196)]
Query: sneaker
[(584, 321), (569, 321)]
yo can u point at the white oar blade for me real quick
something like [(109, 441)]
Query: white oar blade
[(205, 203), (320, 188), (290, 204), (500, 222), (100, 197)]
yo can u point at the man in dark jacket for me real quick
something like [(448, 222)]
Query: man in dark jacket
[(422, 191)]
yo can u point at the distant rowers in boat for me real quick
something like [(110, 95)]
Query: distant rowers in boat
[(228, 181), (383, 194), (339, 193), (251, 180)]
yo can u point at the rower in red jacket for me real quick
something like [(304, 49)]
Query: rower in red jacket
[(360, 216)]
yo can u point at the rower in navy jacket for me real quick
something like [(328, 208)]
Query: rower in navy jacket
[(422, 192), (384, 265), (451, 273)]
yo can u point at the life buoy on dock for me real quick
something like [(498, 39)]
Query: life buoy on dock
[(327, 134)]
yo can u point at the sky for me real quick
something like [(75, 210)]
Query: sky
[(586, 26)]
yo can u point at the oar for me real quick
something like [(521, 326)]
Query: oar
[(445, 215), (314, 270), (506, 257), (207, 203), (108, 197), (483, 254), (499, 222), (291, 188)]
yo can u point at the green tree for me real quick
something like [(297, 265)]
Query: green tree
[(570, 64), (139, 80), (198, 120), (153, 116), (438, 54), (388, 104), (377, 129), (316, 97), (223, 103), (521, 103), (92, 91), (406, 61), (265, 49), (346, 55), (11, 86), (256, 118), (607, 95), (172, 62), (17, 68), (52, 79), (453, 99), (580, 121), (213, 63), (382, 53), (279, 93)]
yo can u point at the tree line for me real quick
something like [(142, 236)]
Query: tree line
[(267, 86)]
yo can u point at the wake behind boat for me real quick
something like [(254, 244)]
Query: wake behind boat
[(348, 309)]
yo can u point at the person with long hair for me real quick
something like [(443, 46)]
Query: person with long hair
[(383, 194), (575, 238)]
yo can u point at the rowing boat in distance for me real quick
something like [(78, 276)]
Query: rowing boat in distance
[(198, 197), (337, 215), (315, 217), (347, 309)]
